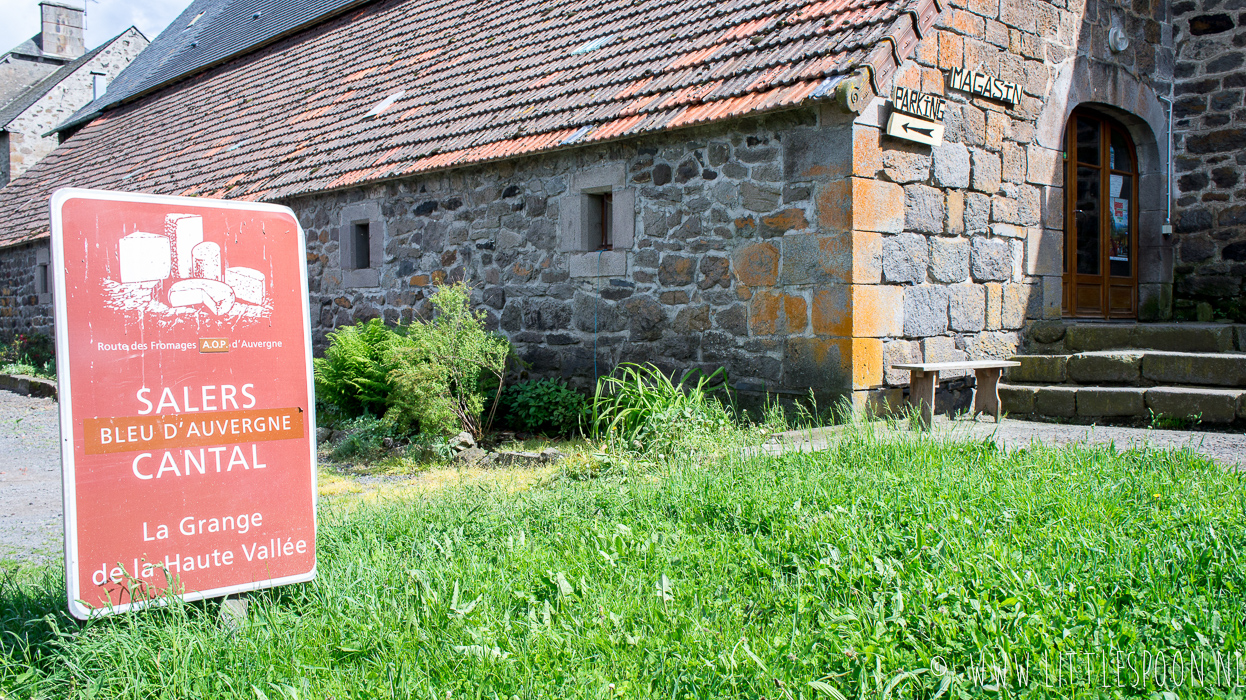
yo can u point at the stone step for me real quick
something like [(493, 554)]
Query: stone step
[(1066, 337), (1132, 368), (1210, 405)]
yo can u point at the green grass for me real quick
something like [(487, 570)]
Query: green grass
[(47, 371), (727, 575)]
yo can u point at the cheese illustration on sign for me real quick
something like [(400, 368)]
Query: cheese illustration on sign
[(984, 85), (145, 257), (163, 279), (186, 232), (187, 425)]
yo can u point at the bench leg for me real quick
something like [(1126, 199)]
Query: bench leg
[(922, 393), (986, 393)]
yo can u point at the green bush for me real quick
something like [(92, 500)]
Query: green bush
[(640, 409), (351, 377), (33, 355), (444, 372), (434, 377), (545, 406)]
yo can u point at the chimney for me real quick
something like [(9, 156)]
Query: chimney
[(63, 24)]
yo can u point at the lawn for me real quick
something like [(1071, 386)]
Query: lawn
[(888, 565)]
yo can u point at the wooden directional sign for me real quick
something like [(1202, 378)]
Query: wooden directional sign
[(919, 104), (905, 126), (982, 84)]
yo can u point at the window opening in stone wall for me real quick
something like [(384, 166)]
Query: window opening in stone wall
[(99, 85), (603, 216), (41, 279), (361, 246)]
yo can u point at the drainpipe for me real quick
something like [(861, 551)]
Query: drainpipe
[(1167, 230)]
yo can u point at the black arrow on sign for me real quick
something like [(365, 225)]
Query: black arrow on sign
[(928, 133)]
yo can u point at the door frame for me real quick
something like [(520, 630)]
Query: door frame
[(1072, 279)]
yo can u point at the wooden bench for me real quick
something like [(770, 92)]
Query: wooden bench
[(924, 377)]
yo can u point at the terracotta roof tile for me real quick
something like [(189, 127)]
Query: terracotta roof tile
[(473, 84)]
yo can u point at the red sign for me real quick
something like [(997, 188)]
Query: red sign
[(183, 353)]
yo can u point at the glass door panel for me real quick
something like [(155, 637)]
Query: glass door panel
[(1087, 210), (1120, 225), (1101, 234)]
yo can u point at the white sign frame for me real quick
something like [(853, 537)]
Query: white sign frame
[(65, 404)]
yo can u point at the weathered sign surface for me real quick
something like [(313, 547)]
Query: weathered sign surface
[(914, 129), (187, 425), (982, 84), (919, 104)]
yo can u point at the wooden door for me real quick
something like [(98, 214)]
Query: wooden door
[(1100, 219)]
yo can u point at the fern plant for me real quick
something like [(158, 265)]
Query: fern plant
[(351, 377)]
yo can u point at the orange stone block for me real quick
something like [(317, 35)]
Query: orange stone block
[(832, 311), (859, 311), (786, 220), (951, 50), (867, 151), (867, 258), (763, 312), (757, 265), (796, 312), (877, 310), (419, 281), (773, 313), (857, 203), (867, 362)]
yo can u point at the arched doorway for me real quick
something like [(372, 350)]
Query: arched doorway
[(1101, 218)]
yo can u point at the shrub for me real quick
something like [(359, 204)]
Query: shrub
[(351, 377), (444, 371), (33, 354), (546, 406), (641, 409)]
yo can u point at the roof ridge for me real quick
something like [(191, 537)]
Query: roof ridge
[(290, 120)]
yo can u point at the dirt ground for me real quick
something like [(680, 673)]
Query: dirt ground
[(30, 476)]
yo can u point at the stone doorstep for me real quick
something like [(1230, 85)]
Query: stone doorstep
[(1105, 367), (1215, 406), (1172, 337), (1132, 368), (1204, 369)]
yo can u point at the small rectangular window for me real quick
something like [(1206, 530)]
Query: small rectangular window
[(41, 279), (601, 219), (99, 85), (361, 246)]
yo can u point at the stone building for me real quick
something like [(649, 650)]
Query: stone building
[(705, 184), (49, 77)]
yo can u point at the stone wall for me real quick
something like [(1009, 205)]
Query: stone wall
[(21, 310), (727, 266), (979, 252), (1211, 146), (27, 143)]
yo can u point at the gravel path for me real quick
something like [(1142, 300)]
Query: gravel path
[(1228, 449), (30, 478)]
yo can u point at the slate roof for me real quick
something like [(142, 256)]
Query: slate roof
[(206, 33), (30, 95), (458, 82)]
